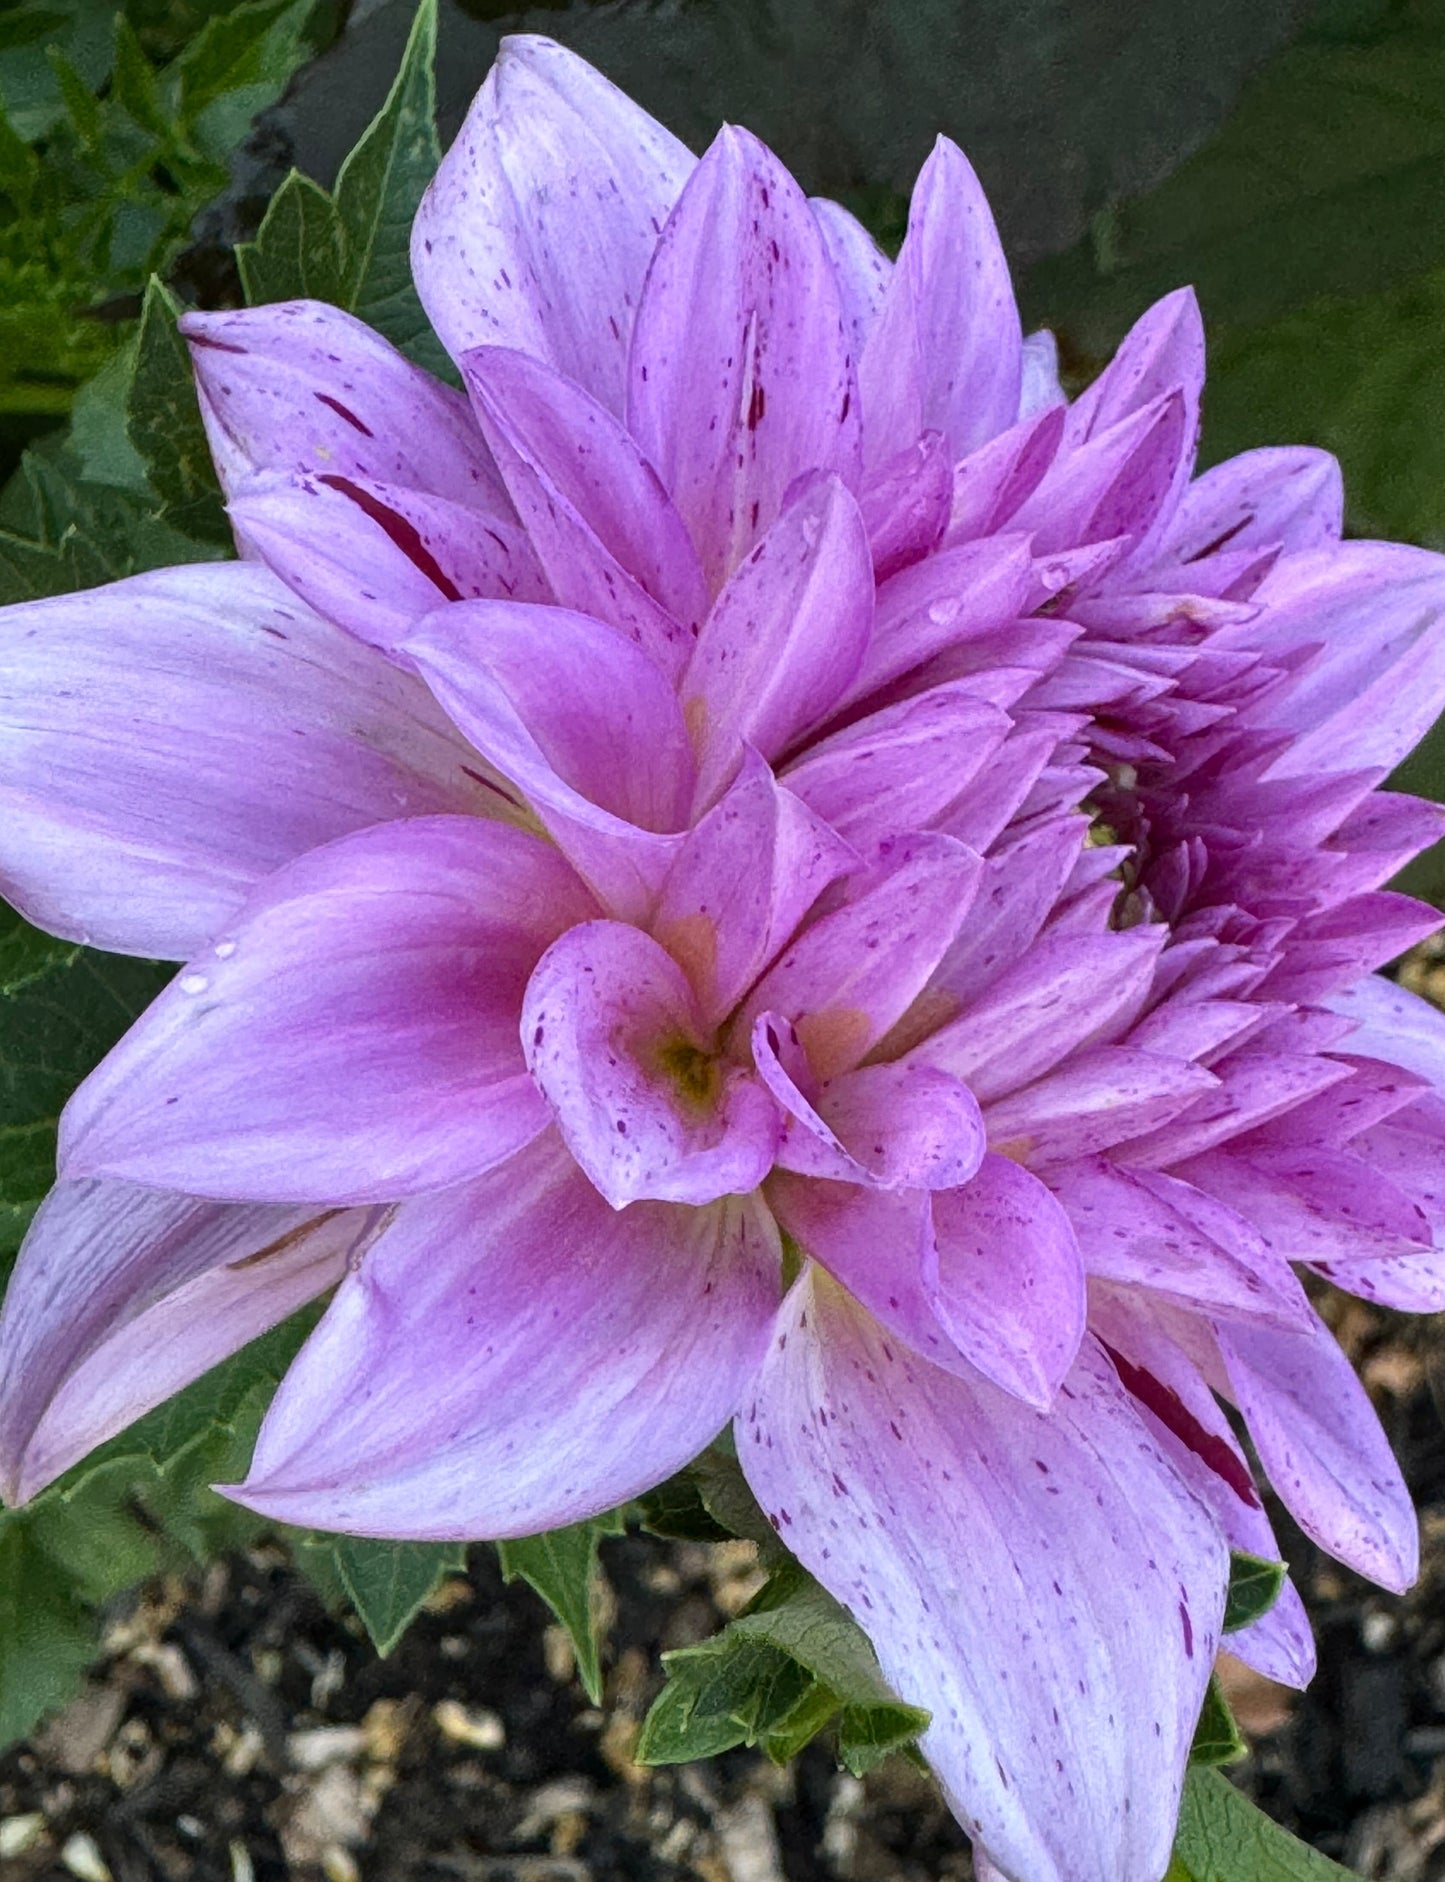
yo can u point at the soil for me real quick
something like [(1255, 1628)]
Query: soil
[(237, 1732)]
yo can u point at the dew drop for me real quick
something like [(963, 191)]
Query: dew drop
[(194, 983), (224, 950), (944, 613)]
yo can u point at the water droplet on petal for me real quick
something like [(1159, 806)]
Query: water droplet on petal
[(224, 950), (194, 983), (944, 613)]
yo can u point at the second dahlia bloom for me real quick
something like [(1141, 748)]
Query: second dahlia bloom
[(756, 866)]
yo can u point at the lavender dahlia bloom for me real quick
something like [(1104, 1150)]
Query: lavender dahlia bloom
[(760, 764)]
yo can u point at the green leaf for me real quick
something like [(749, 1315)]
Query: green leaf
[(133, 83), (81, 104), (299, 250), (389, 1581), (675, 1508), (776, 1676), (237, 65), (1217, 1739), (163, 420), (1222, 1837), (47, 1638), (353, 248), (62, 1007), (562, 1567), (1254, 1585), (377, 195), (726, 1692)]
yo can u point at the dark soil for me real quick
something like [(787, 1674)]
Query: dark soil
[(237, 1732)]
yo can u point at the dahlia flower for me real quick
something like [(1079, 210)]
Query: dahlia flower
[(756, 865)]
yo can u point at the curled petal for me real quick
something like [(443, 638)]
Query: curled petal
[(885, 1126), (582, 722), (512, 1355), (615, 1041), (743, 880), (855, 972)]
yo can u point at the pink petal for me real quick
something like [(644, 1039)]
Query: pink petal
[(354, 1038), (537, 230), (877, 1243), (740, 377), (1115, 485), (602, 525), (1395, 1025), (1314, 1204), (1377, 683), (991, 484), (302, 386), (785, 639), (1019, 890), (1247, 1089), (945, 351), (856, 971), (902, 767), (951, 599), (1138, 1228), (513, 1356), (1163, 353), (1066, 991), (1292, 496), (1094, 1101), (169, 740), (906, 502), (374, 557), (1319, 1439), (582, 722), (744, 878), (1183, 1416), (884, 1126), (1006, 1279), (616, 1043), (121, 1296), (861, 268), (1012, 1568)]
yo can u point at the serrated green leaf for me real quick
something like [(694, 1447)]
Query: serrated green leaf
[(1222, 1837), (723, 1693), (237, 65), (1217, 1739), (675, 1509), (1254, 1585), (133, 82), (81, 105), (299, 250), (377, 195), (163, 421), (738, 1688), (562, 1567), (388, 1582)]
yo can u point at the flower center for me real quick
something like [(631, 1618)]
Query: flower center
[(695, 1075)]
